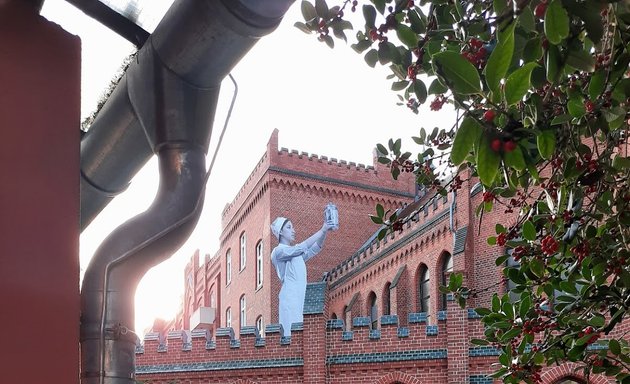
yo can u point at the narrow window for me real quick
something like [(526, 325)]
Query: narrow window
[(243, 320), (243, 255), (373, 310), (228, 267), (259, 264), (386, 300), (228, 317), (424, 289), (260, 326), (447, 268)]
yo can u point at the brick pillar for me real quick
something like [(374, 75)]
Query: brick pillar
[(39, 198), (314, 333), (457, 343), (314, 349)]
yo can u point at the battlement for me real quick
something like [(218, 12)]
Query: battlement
[(433, 220), (325, 159)]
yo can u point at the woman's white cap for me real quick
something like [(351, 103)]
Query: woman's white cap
[(276, 226)]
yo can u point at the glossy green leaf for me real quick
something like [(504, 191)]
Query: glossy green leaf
[(459, 74), (515, 159), (437, 88), (488, 161), (518, 83), (576, 108), (369, 14), (553, 63), (466, 136), (399, 85), (556, 22), (500, 59), (420, 90), (416, 22), (308, 11), (546, 142), (321, 8), (407, 36), (371, 57), (581, 60), (529, 231)]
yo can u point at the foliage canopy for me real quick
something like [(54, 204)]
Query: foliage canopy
[(541, 89)]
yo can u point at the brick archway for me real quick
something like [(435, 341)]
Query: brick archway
[(397, 378), (568, 371)]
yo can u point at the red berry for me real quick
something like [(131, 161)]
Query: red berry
[(509, 146), (540, 10), (489, 115), (496, 145), (589, 105)]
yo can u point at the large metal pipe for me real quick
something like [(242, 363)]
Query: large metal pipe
[(199, 42), (165, 104)]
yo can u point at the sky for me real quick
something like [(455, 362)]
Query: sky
[(323, 101)]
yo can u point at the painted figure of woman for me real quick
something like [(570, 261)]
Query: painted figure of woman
[(289, 261)]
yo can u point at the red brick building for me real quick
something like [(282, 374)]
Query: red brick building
[(373, 313)]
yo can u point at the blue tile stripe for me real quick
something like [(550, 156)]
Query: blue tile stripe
[(385, 357), (472, 314), (420, 317), (480, 379), (334, 324), (432, 330), (483, 351), (218, 366)]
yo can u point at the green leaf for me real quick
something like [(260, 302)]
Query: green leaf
[(529, 231), (537, 267), (361, 46), (399, 85), (533, 50), (581, 60), (371, 57), (524, 307), (437, 88), (576, 108), (308, 11), (321, 8), (546, 142), (407, 36), (460, 75), (556, 22), (614, 347), (416, 22), (380, 5), (302, 27), (369, 14), (518, 83), (500, 59), (479, 342), (376, 219), (488, 161), (420, 90), (553, 63), (466, 136), (382, 150), (515, 159)]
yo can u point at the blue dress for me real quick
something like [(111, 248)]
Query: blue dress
[(289, 262)]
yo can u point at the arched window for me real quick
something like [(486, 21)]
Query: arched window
[(424, 289), (213, 299), (228, 267), (260, 326), (333, 316), (243, 319), (373, 310), (228, 317), (259, 264), (243, 258), (386, 300), (447, 268), (347, 318)]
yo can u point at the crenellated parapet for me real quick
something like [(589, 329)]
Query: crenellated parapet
[(434, 221)]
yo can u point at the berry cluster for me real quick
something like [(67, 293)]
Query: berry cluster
[(438, 102), (505, 145), (488, 197), (477, 55), (549, 245), (589, 331)]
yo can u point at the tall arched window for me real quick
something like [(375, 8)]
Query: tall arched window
[(387, 300), (228, 267), (260, 326), (243, 254), (228, 317), (447, 268), (424, 289), (373, 310), (259, 264), (243, 319)]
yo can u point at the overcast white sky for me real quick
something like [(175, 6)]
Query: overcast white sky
[(322, 101)]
